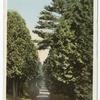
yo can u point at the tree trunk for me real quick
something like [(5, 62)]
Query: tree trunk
[(14, 89)]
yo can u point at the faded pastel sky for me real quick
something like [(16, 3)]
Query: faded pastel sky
[(30, 11)]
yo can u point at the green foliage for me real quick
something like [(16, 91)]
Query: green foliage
[(17, 40), (66, 27), (22, 57)]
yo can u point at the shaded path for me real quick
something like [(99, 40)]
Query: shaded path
[(44, 94)]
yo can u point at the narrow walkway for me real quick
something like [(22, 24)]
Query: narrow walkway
[(44, 94)]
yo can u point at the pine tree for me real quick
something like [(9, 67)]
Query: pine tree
[(48, 21), (66, 28)]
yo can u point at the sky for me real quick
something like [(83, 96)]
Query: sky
[(30, 11)]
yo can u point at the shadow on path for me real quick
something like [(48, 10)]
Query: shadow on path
[(43, 94)]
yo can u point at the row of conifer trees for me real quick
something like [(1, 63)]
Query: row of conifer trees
[(66, 29)]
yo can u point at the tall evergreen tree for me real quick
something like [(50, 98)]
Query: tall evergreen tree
[(66, 26), (22, 57)]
